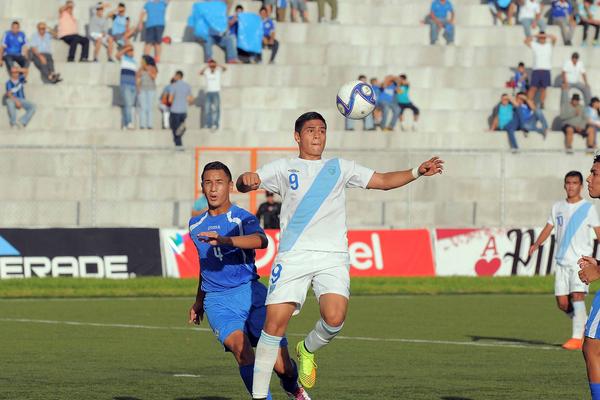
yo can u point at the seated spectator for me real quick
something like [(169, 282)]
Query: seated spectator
[(402, 95), (180, 96), (212, 105), (41, 54), (98, 31), (573, 120), (15, 98), (299, 7), (14, 49), (68, 32), (588, 13), (574, 76), (334, 7), (506, 119), (530, 16), (563, 15), (213, 30), (121, 30), (269, 40), (368, 122), (269, 212), (541, 76), (377, 112), (146, 88), (592, 114), (521, 78), (127, 84), (441, 17), (165, 105), (503, 7), (529, 115), (152, 19), (388, 103)]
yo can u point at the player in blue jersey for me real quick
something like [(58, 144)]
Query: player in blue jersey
[(229, 291)]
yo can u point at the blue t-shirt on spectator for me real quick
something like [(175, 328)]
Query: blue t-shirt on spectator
[(561, 9), (155, 13), (505, 115), (13, 43), (16, 88), (402, 97), (233, 29), (440, 10), (525, 112), (388, 94), (200, 204), (520, 84), (377, 92), (119, 25), (268, 27)]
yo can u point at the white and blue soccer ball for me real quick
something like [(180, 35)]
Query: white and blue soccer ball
[(356, 100)]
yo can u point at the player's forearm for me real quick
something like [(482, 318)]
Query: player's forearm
[(543, 236), (391, 180), (200, 293), (247, 242)]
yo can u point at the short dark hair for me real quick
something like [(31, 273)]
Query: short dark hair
[(262, 8), (521, 93), (521, 64), (574, 174), (403, 76), (594, 100), (361, 76), (217, 165), (179, 73), (122, 5), (307, 116), (15, 23), (239, 7)]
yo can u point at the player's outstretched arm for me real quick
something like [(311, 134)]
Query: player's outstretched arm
[(393, 180), (246, 242), (589, 271), (541, 239), (247, 182)]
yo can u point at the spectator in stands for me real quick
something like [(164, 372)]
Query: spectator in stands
[(503, 7), (269, 40), (592, 114), (200, 205), (268, 212), (154, 16), (299, 7), (281, 10), (377, 112), (224, 40), (14, 49), (573, 120), (68, 32), (146, 87), (15, 98), (41, 54), (521, 79), (269, 5), (121, 30), (368, 123), (541, 77), (530, 16), (98, 31), (441, 17), (212, 104), (165, 105), (506, 119), (588, 13), (180, 96), (529, 115), (388, 103), (574, 76), (404, 102), (563, 15), (334, 10), (127, 84)]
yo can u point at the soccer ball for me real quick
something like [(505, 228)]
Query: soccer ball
[(356, 100)]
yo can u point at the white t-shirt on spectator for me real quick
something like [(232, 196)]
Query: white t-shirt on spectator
[(574, 71), (529, 10), (213, 80), (542, 55)]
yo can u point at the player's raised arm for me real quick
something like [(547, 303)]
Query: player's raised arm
[(247, 182), (393, 180), (246, 242), (541, 239)]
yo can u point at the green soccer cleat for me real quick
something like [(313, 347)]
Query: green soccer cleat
[(307, 368)]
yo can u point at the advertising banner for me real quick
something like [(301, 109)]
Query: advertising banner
[(117, 253), (372, 253)]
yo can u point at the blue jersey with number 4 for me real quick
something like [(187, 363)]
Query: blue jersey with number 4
[(225, 267)]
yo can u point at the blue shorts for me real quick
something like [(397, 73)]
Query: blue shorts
[(540, 78), (154, 34), (591, 326), (238, 309)]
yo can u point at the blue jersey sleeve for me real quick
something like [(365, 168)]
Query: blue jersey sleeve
[(251, 225)]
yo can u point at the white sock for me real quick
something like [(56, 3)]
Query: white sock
[(321, 335), (579, 318), (264, 361)]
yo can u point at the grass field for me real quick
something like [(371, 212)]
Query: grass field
[(445, 346)]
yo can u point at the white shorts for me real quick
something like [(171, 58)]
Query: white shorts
[(566, 281), (295, 271)]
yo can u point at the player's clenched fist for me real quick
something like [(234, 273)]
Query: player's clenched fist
[(248, 181), (196, 313), (589, 271)]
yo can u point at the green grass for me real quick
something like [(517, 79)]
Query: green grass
[(64, 361), (161, 287)]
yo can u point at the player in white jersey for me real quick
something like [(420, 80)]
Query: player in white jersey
[(313, 248), (572, 220)]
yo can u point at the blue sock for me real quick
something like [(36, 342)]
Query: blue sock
[(595, 390), (290, 384), (247, 374)]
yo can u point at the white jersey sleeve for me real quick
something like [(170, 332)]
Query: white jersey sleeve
[(355, 175), (593, 218), (270, 176), (552, 217)]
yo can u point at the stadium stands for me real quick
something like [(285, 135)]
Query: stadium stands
[(74, 166)]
